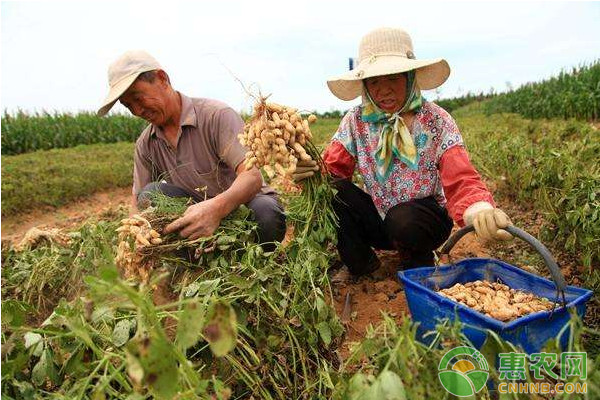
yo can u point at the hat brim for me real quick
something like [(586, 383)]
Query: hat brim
[(429, 74), (115, 92)]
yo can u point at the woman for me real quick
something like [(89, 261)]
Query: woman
[(410, 155)]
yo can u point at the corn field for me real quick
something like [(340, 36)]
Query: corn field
[(572, 94), (24, 133)]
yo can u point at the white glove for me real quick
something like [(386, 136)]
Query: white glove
[(488, 221)]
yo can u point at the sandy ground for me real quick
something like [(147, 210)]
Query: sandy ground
[(14, 227)]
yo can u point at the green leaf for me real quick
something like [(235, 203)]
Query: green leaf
[(324, 332), (356, 386), (222, 260), (31, 338), (108, 274), (226, 239), (207, 287), (121, 332), (159, 366), (103, 313), (14, 312), (391, 386), (75, 366), (322, 308), (45, 369), (191, 323), (221, 328), (39, 372), (191, 289)]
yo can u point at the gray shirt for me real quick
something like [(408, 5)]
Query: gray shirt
[(207, 154)]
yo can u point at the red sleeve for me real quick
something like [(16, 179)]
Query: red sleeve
[(461, 182), (338, 161)]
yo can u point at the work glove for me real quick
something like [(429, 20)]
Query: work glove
[(488, 224), (304, 169)]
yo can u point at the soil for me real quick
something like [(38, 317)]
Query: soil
[(71, 215), (381, 292)]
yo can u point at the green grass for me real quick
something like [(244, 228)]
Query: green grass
[(323, 130), (57, 177), (548, 164), (279, 342)]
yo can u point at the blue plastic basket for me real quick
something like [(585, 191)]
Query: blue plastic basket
[(530, 332)]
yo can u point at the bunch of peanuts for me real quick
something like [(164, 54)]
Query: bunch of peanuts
[(496, 300), (276, 136), (135, 234)]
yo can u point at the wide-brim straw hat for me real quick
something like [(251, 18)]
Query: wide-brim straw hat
[(386, 51), (123, 72)]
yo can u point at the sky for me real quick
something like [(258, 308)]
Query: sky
[(54, 55)]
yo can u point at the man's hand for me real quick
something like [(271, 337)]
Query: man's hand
[(489, 223), (199, 220), (304, 169)]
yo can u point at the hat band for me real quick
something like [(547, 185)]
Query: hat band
[(371, 59)]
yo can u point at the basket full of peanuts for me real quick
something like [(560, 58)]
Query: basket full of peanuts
[(486, 295)]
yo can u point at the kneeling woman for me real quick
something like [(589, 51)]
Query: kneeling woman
[(410, 155)]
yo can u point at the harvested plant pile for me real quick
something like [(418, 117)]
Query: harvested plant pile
[(141, 243), (496, 299)]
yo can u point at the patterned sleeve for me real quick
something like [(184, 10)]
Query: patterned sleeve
[(344, 134), (450, 135)]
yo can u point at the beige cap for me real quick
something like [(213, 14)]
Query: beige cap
[(123, 72), (386, 51)]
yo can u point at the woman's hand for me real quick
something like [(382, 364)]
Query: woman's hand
[(489, 223), (304, 169)]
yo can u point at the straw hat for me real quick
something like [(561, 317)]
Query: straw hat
[(123, 72), (386, 51)]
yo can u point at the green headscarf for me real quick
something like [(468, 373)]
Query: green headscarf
[(394, 136)]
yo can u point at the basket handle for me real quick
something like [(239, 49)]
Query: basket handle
[(555, 272)]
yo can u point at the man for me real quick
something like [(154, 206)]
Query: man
[(190, 149)]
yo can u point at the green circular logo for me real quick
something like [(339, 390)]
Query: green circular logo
[(463, 371)]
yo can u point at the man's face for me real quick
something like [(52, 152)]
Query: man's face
[(387, 91), (147, 100)]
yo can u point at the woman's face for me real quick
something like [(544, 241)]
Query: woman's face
[(387, 91)]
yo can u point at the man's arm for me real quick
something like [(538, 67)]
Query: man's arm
[(203, 218)]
